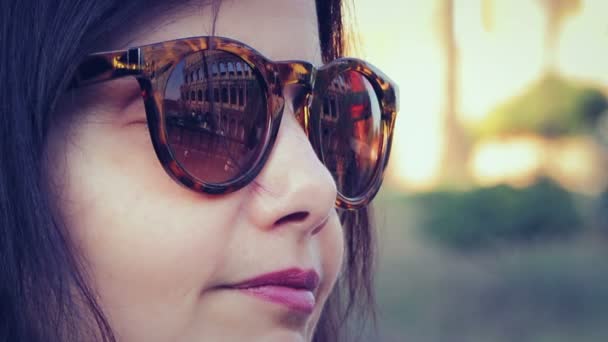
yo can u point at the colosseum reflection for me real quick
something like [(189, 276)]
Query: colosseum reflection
[(218, 117), (215, 113), (350, 132)]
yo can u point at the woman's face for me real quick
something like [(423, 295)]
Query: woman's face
[(165, 260)]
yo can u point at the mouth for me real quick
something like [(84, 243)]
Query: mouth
[(292, 288)]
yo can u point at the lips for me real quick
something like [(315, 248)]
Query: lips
[(292, 288)]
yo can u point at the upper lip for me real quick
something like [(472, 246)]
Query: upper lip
[(294, 277)]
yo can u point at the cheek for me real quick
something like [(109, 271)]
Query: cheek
[(332, 252), (148, 243)]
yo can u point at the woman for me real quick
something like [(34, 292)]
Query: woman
[(148, 194)]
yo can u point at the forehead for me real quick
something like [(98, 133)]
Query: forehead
[(279, 29)]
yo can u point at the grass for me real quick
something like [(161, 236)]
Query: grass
[(547, 291)]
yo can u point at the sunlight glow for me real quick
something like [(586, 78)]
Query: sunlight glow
[(515, 161), (579, 164), (576, 163)]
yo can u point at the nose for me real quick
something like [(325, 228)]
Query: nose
[(294, 189)]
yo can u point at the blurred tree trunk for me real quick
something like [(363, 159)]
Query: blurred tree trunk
[(487, 15), (453, 167), (556, 12)]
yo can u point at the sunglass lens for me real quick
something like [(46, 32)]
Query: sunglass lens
[(351, 133), (215, 115)]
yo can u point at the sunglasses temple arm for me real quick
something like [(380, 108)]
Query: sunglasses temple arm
[(107, 66)]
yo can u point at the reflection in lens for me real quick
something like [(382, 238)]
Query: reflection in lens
[(215, 114), (351, 132)]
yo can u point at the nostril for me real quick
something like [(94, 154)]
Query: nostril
[(294, 217)]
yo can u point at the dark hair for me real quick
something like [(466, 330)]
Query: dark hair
[(44, 294)]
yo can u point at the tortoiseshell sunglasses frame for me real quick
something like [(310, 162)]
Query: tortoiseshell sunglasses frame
[(147, 62)]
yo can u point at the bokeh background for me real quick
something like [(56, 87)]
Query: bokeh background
[(493, 220)]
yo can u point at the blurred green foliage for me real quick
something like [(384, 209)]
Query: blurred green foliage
[(552, 106), (486, 217)]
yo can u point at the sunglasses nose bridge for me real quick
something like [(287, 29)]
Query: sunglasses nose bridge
[(296, 99), (297, 80)]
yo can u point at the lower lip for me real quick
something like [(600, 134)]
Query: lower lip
[(295, 299)]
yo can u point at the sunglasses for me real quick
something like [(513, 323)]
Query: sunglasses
[(214, 106)]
